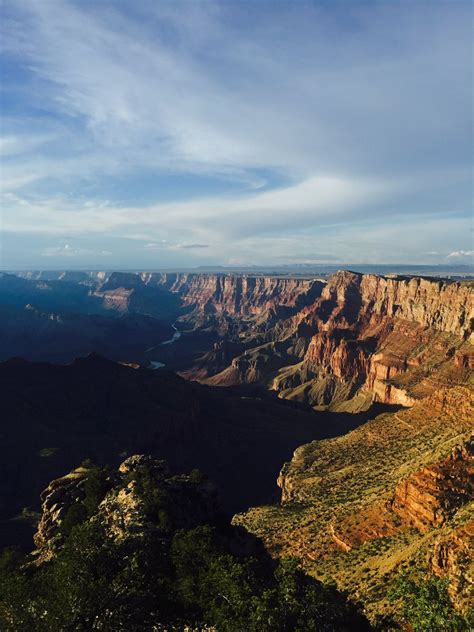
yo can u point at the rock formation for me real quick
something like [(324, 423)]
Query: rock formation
[(129, 505), (245, 296), (56, 499), (427, 498), (342, 344), (452, 557), (393, 493), (364, 337), (396, 493)]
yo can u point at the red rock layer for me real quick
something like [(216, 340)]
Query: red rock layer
[(453, 557), (238, 295), (427, 498), (372, 330)]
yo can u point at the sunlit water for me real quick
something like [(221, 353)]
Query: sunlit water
[(156, 364)]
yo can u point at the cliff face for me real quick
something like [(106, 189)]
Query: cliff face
[(427, 498), (447, 307), (358, 338), (393, 495), (364, 334), (452, 557), (56, 499), (238, 295), (375, 330), (124, 292)]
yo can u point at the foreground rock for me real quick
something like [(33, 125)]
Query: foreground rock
[(136, 548), (124, 502)]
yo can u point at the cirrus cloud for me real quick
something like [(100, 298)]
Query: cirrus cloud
[(235, 129)]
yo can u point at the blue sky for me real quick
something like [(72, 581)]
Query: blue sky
[(159, 134)]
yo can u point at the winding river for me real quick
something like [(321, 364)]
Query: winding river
[(156, 364)]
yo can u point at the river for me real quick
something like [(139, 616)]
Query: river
[(156, 364)]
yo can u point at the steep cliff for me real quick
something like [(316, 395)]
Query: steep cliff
[(56, 500), (238, 295), (427, 498), (364, 338), (129, 292), (397, 493), (452, 557), (340, 345)]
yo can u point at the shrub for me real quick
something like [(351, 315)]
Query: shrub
[(426, 606)]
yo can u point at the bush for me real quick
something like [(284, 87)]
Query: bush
[(192, 579), (426, 606)]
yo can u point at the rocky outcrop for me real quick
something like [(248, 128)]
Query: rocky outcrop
[(427, 498), (141, 495), (147, 496), (213, 294), (56, 499), (452, 557), (372, 334), (395, 494), (383, 368), (357, 337), (447, 307), (214, 361)]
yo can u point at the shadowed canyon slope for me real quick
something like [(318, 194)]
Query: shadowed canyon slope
[(55, 416)]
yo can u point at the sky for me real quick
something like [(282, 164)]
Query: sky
[(158, 134)]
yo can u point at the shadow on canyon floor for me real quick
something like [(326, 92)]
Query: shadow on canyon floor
[(56, 416)]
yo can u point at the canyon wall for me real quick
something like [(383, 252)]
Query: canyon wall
[(237, 295), (394, 495), (447, 307), (366, 333)]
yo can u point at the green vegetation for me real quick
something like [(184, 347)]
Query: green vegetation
[(425, 605), (97, 583), (159, 574), (348, 480)]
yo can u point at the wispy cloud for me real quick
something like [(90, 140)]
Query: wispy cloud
[(307, 117), (462, 255), (165, 245), (66, 250)]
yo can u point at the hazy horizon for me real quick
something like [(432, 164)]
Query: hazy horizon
[(301, 270), (178, 135)]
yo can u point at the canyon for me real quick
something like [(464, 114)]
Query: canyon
[(337, 345), (367, 378)]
